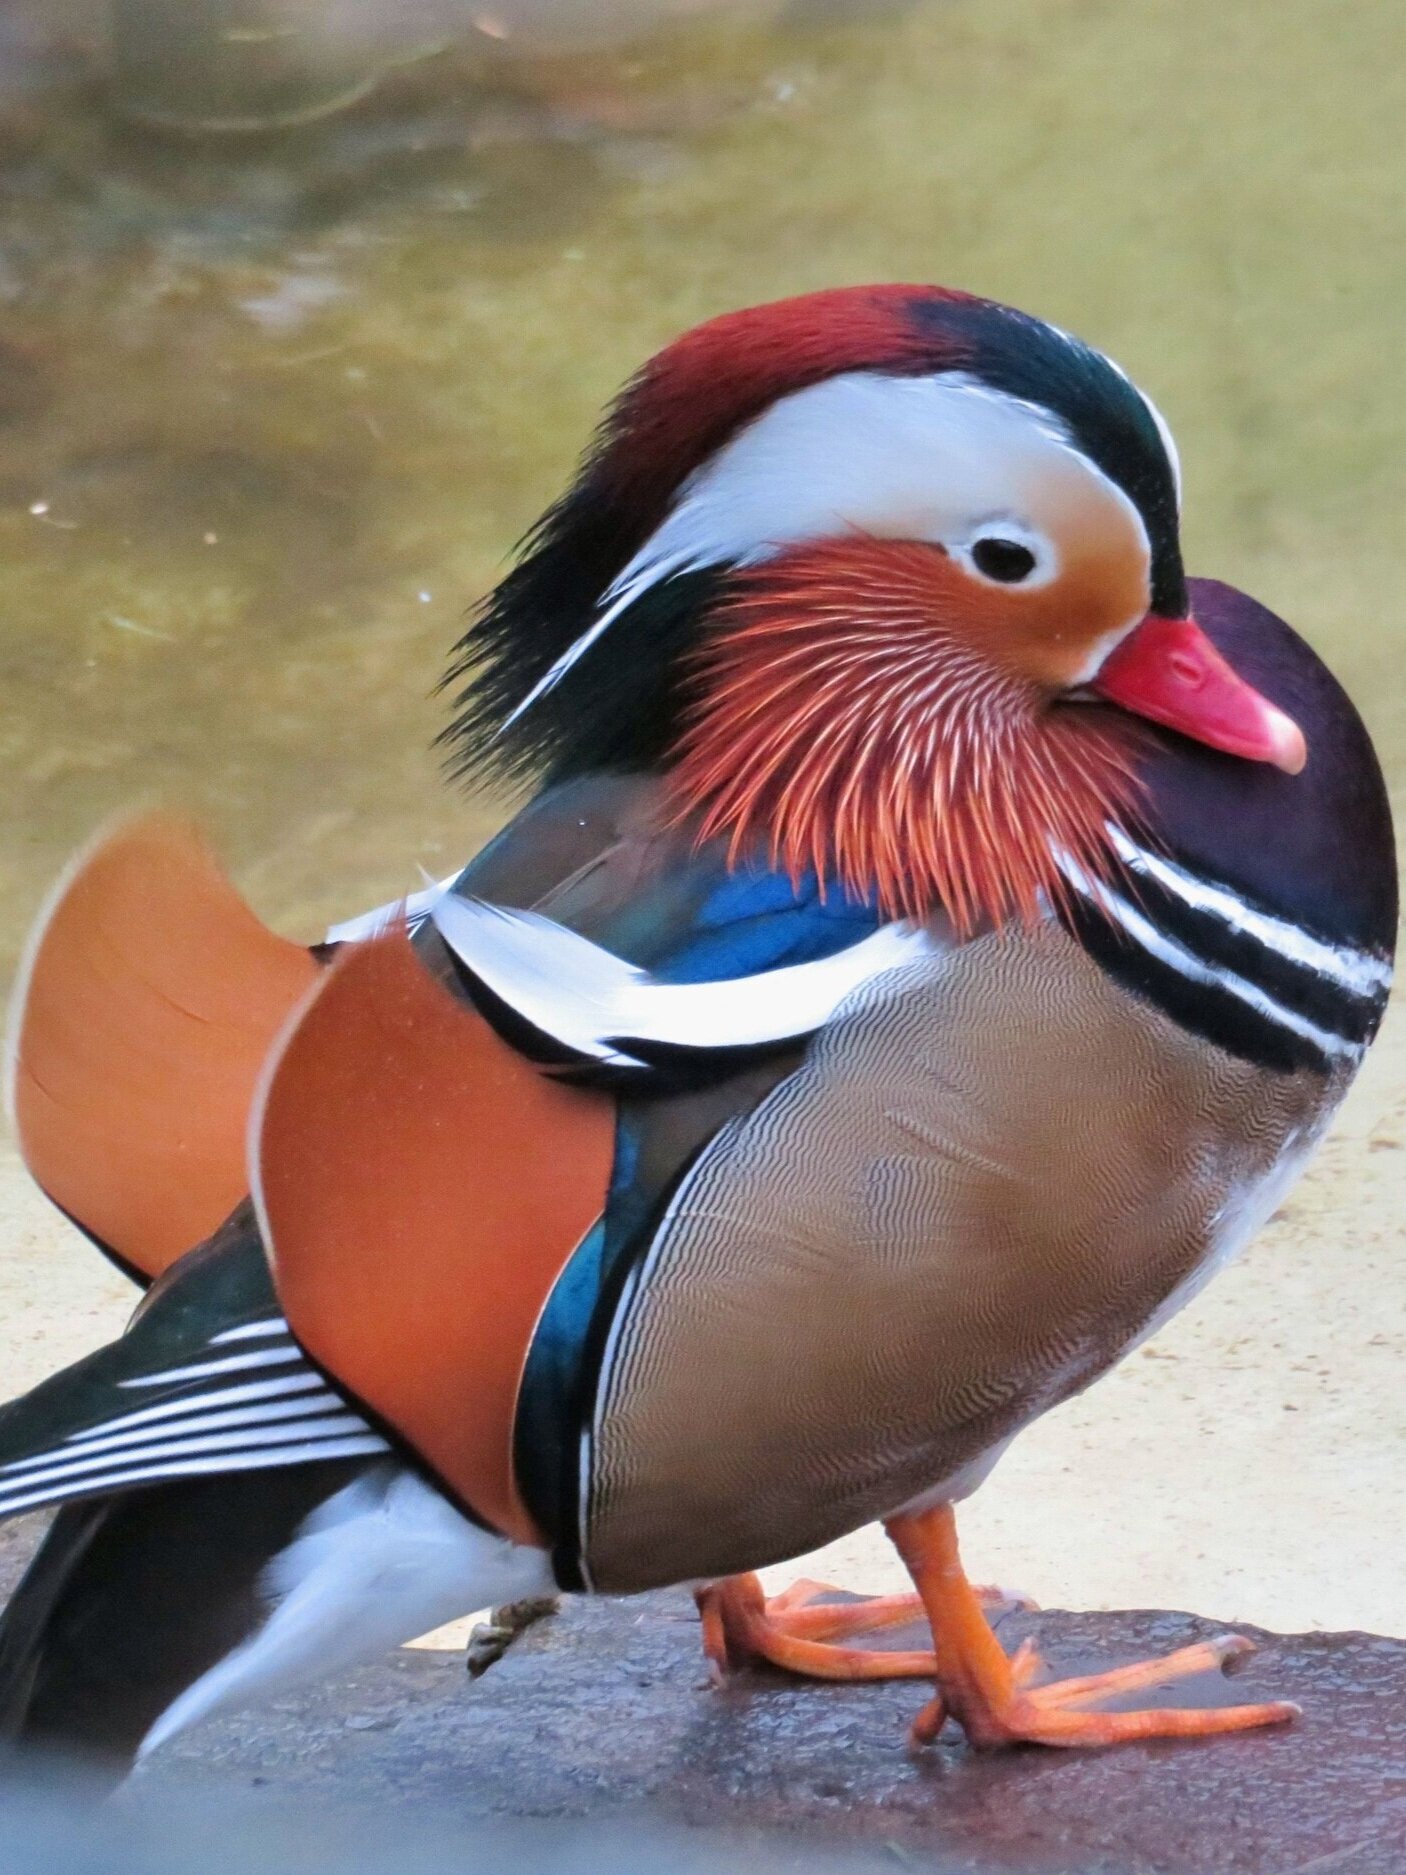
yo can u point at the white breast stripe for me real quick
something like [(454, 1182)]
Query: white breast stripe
[(1353, 970), (1187, 964), (588, 1000)]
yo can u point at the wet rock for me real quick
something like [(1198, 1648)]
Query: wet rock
[(604, 1712)]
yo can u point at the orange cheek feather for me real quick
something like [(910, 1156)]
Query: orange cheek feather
[(867, 709)]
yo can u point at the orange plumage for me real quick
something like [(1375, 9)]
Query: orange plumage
[(857, 712)]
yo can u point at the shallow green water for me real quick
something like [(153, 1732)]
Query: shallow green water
[(270, 416)]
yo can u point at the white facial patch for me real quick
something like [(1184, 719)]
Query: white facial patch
[(943, 459), (898, 458)]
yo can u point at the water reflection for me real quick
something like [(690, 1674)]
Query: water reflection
[(272, 408)]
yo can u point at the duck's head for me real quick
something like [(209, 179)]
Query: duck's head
[(850, 568)]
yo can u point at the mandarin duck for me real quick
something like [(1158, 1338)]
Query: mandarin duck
[(939, 933)]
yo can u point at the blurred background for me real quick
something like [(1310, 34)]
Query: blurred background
[(306, 309), (57, 1824)]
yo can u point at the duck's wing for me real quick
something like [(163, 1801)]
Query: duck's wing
[(150, 995), (207, 1379), (570, 1003), (512, 1166), (146, 1003), (147, 1006), (449, 1183)]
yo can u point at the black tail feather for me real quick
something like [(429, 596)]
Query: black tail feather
[(129, 1600)]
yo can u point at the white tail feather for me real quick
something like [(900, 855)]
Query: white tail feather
[(383, 1560)]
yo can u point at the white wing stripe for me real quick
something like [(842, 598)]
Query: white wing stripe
[(251, 1331), (232, 1364), (368, 924), (79, 1445), (354, 1446), (247, 1439), (588, 999), (307, 1382)]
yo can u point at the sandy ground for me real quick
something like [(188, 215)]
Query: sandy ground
[(1247, 1464)]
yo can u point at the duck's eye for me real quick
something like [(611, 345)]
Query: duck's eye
[(1006, 560)]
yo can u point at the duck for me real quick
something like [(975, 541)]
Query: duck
[(937, 934)]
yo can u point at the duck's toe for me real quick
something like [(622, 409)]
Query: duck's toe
[(799, 1632)]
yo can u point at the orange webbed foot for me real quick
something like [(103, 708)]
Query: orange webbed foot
[(993, 1698), (801, 1631)]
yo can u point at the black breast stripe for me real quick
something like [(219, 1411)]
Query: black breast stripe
[(1256, 984)]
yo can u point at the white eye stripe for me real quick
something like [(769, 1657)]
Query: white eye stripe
[(923, 458), (894, 458)]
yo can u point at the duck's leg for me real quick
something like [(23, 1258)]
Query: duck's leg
[(797, 1631), (990, 1696)]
